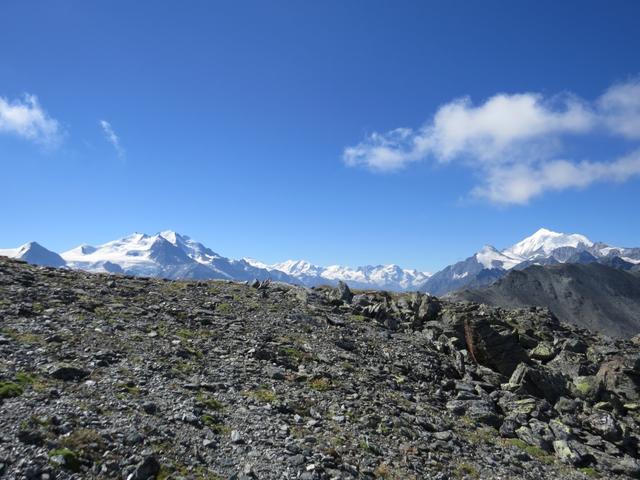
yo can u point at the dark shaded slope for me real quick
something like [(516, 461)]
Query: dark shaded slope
[(592, 296)]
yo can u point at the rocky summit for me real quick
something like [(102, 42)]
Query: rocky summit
[(112, 376)]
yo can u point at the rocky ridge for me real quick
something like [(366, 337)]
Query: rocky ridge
[(590, 295), (110, 376)]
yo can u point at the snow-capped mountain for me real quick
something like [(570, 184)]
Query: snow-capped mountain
[(171, 255), (35, 253), (544, 242), (383, 277), (166, 254), (544, 247)]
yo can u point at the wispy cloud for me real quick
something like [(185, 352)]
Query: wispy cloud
[(25, 118), (514, 141), (112, 138)]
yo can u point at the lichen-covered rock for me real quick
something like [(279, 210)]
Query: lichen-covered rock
[(621, 375), (539, 382), (543, 351), (587, 387)]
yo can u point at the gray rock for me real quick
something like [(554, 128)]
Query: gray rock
[(147, 469), (68, 372)]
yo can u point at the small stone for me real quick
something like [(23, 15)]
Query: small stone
[(296, 460), (134, 438), (444, 436), (147, 469), (150, 407)]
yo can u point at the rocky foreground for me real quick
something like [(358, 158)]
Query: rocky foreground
[(133, 378)]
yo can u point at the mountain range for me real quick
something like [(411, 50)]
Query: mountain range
[(544, 247), (171, 255), (174, 256)]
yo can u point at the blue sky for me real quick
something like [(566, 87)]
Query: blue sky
[(357, 132)]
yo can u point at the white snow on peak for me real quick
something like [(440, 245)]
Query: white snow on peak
[(170, 236), (11, 252), (256, 263), (546, 241), (130, 252), (388, 276), (19, 251), (299, 268), (490, 257)]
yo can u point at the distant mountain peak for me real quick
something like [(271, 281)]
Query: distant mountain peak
[(545, 241), (169, 254), (35, 253)]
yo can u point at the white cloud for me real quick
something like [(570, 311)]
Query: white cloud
[(518, 183), (512, 141), (501, 122), (26, 118), (112, 138), (620, 108), (388, 151)]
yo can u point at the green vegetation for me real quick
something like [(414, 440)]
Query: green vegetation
[(224, 308), (185, 333), (531, 450), (321, 384), (466, 470), (263, 395), (589, 472), (25, 379), (197, 473), (70, 460), (295, 353), (210, 403), (208, 419), (488, 435), (383, 471), (215, 425), (10, 389), (86, 441), (23, 337), (37, 307)]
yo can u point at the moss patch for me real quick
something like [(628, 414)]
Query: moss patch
[(65, 458), (10, 389)]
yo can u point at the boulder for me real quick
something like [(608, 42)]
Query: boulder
[(68, 372), (479, 410), (586, 387), (621, 375), (571, 452), (496, 349), (536, 433), (538, 381), (603, 424), (543, 352)]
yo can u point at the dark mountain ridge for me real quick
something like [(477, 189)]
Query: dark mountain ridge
[(590, 295)]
